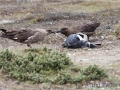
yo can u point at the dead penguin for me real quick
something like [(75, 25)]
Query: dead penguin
[(27, 36), (87, 29), (77, 41)]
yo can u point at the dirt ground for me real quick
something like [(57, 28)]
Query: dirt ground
[(106, 56)]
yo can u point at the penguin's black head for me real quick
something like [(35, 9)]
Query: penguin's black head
[(90, 45)]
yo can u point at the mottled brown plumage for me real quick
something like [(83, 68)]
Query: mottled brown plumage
[(87, 29), (27, 36)]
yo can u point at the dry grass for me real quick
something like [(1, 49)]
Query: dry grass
[(23, 9), (87, 6)]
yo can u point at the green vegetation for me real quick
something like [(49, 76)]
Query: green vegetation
[(94, 73), (45, 65)]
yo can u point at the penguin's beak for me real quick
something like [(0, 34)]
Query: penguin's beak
[(98, 44)]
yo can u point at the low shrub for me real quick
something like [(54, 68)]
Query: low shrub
[(45, 65), (34, 65), (75, 69), (94, 73), (63, 78)]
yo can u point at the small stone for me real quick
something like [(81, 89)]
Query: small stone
[(102, 37)]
